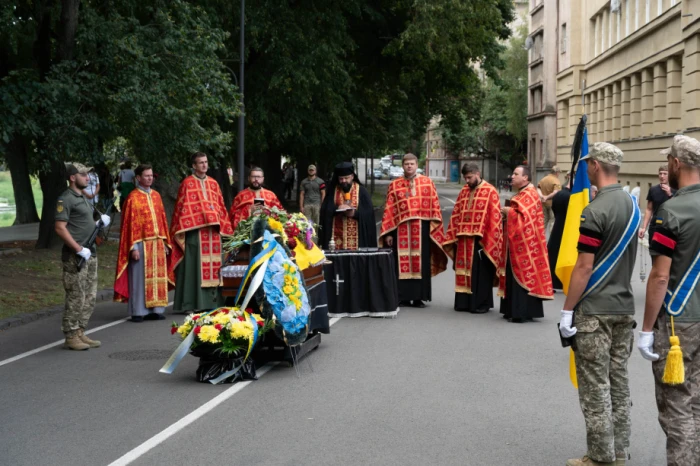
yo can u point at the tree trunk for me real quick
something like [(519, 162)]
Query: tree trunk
[(67, 29), (53, 183), (16, 156)]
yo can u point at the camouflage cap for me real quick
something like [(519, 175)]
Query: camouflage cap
[(686, 150), (75, 168), (604, 152)]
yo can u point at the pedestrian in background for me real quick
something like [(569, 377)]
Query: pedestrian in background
[(547, 188), (311, 195), (125, 182), (91, 192), (74, 225), (600, 294), (675, 249), (658, 194)]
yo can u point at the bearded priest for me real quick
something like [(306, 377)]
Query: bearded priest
[(253, 195), (474, 240), (199, 220), (524, 276), (412, 227), (347, 214)]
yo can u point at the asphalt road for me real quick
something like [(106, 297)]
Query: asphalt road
[(431, 387)]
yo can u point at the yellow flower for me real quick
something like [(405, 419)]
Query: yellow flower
[(183, 330), (274, 224), (287, 290), (221, 318), (242, 330), (209, 334)]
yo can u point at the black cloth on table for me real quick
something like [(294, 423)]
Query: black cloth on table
[(367, 229), (518, 304), (367, 283), (481, 297), (560, 204), (412, 289)]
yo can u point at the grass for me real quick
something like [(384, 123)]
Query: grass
[(32, 280), (7, 219)]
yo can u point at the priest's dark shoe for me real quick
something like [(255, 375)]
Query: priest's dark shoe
[(418, 303), (137, 318), (481, 310), (404, 303)]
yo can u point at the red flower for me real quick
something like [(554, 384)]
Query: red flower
[(218, 326), (249, 310), (225, 311), (261, 323), (197, 329), (292, 243), (294, 253), (241, 318), (195, 317), (214, 313), (173, 329)]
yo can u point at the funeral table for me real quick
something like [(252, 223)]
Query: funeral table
[(361, 283)]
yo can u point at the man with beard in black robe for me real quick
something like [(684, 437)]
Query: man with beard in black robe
[(347, 214)]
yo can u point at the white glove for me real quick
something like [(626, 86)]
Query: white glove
[(85, 253), (565, 327), (105, 220), (645, 343)]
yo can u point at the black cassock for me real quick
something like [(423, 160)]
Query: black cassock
[(560, 204), (412, 289), (367, 229), (483, 272), (518, 304)]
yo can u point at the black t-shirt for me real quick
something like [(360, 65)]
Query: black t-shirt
[(657, 196)]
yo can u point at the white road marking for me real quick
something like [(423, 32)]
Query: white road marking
[(454, 202), (60, 342), (173, 429)]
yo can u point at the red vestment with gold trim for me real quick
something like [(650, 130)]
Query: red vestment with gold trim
[(407, 203), (143, 220), (526, 246), (244, 201), (346, 233), (200, 206), (476, 217)]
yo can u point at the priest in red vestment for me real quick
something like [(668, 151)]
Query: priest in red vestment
[(253, 195), (474, 240), (412, 226), (199, 220), (524, 276), (144, 247)]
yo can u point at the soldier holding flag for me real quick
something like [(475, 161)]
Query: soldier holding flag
[(600, 294)]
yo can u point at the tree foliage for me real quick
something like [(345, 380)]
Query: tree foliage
[(324, 80), (500, 124)]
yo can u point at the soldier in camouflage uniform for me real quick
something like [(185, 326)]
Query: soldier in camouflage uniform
[(604, 307), (674, 248), (74, 225)]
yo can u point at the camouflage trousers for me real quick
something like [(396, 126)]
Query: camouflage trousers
[(604, 343), (313, 212), (679, 405), (81, 291)]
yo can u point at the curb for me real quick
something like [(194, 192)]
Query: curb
[(28, 317)]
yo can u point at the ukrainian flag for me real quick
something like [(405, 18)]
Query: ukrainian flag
[(568, 253), (579, 199)]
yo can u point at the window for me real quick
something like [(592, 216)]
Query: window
[(563, 38), (542, 150)]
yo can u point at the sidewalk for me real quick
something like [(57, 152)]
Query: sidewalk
[(30, 231)]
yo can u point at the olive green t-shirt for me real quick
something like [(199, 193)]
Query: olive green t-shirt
[(603, 224), (74, 209), (677, 236)]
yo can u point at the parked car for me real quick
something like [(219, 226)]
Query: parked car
[(377, 173), (395, 172)]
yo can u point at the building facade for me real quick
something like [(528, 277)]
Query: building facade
[(633, 67)]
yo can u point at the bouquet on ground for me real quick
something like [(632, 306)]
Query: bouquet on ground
[(226, 331)]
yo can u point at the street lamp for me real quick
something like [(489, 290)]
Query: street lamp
[(241, 117)]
